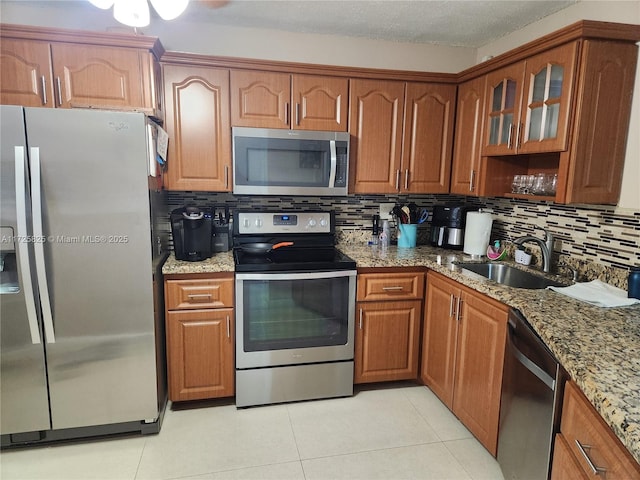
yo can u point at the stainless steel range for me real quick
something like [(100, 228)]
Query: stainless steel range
[(295, 308)]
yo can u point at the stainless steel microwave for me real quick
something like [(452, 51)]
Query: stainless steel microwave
[(290, 162)]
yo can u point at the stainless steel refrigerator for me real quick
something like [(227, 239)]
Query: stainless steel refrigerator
[(81, 309)]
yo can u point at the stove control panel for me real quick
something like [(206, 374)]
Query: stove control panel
[(273, 223)]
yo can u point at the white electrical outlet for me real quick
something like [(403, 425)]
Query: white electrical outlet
[(385, 210)]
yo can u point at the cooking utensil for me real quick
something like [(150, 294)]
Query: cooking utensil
[(400, 214), (422, 217), (261, 247)]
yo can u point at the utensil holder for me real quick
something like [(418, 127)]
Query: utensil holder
[(407, 235)]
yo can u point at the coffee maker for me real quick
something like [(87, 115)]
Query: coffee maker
[(192, 229), (447, 226)]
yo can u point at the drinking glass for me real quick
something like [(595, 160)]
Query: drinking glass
[(516, 185), (538, 187)]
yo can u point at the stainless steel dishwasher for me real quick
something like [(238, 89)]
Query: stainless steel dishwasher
[(532, 389)]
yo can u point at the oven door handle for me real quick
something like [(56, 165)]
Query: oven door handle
[(334, 163), (296, 275)]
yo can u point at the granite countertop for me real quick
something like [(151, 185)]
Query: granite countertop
[(220, 262), (599, 347)]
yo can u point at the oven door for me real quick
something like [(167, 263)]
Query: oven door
[(282, 162), (294, 318)]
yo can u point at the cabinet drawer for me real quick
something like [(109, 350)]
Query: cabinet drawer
[(390, 286), (201, 293), (598, 445)]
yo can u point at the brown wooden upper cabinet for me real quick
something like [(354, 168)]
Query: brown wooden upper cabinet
[(63, 75), (563, 111), (281, 100), (528, 104), (197, 121), (401, 136), (465, 171)]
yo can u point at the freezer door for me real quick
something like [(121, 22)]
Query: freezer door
[(95, 264), (24, 406)]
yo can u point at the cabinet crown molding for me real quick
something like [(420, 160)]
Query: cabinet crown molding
[(583, 29), (110, 39)]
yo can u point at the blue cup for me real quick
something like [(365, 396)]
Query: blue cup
[(407, 235)]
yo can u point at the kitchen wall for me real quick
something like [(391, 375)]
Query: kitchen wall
[(605, 11), (609, 236), (606, 236)]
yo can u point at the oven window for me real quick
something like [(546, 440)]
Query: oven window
[(284, 314)]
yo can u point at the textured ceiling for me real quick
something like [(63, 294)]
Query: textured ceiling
[(466, 23)]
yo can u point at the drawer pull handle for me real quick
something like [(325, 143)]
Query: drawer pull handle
[(387, 289), (583, 449), (199, 296)]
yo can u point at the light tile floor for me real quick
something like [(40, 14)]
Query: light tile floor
[(400, 431)]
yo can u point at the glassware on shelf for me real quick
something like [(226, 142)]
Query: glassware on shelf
[(536, 184)]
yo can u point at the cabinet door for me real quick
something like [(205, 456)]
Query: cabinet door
[(200, 353), (591, 440), (548, 89), (601, 122), (25, 67), (387, 341), (565, 465), (320, 103), (197, 121), (376, 113), (428, 137), (439, 337), (467, 141), (95, 76), (479, 361), (260, 99), (502, 110)]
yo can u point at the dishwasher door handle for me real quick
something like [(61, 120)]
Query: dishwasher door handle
[(530, 365)]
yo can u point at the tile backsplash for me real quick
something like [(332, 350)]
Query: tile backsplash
[(603, 235)]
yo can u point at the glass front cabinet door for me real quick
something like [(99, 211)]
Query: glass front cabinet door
[(528, 104), (502, 110), (549, 79)]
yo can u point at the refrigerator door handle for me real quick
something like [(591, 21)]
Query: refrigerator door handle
[(23, 253), (38, 235)]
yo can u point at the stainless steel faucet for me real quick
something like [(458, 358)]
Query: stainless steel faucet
[(546, 246)]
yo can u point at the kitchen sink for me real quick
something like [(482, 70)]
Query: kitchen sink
[(509, 276)]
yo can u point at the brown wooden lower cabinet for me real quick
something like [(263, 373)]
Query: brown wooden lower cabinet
[(388, 321), (200, 340), (387, 341), (586, 447), (463, 353)]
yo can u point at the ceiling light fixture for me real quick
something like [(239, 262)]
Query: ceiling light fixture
[(135, 13)]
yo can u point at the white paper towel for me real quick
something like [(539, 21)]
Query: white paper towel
[(477, 233)]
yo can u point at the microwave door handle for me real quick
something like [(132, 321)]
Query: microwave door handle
[(38, 233), (22, 247), (334, 163)]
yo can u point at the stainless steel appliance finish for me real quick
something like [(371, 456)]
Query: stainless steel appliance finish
[(532, 390), (295, 310), (447, 226), (81, 282), (290, 162)]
